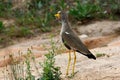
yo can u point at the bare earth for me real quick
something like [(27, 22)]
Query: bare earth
[(101, 37)]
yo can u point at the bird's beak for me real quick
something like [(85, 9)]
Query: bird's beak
[(57, 16)]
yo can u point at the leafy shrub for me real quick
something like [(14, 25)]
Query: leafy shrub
[(50, 71), (84, 10)]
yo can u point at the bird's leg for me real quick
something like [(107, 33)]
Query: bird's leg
[(69, 60), (74, 62)]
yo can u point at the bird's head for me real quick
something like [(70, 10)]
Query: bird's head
[(61, 16), (58, 15)]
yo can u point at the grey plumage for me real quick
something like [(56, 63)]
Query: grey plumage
[(70, 38)]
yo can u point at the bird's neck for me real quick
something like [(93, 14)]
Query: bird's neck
[(65, 26)]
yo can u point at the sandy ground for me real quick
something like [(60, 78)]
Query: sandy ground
[(101, 39)]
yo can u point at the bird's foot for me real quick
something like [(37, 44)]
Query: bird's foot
[(72, 75)]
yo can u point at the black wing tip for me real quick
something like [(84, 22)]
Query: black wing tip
[(91, 56)]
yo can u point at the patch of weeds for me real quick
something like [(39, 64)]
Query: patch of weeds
[(110, 9), (26, 18), (50, 71), (20, 67), (17, 69), (45, 27), (46, 10), (15, 31), (38, 4), (84, 11), (62, 4), (38, 15), (24, 31), (100, 54), (5, 7)]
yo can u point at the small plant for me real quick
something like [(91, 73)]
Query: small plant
[(50, 72), (28, 58)]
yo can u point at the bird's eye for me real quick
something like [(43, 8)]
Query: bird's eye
[(59, 12)]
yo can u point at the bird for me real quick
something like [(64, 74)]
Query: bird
[(71, 40)]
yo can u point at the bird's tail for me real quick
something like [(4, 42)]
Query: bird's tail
[(91, 56)]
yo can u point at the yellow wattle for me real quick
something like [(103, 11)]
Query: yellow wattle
[(57, 15)]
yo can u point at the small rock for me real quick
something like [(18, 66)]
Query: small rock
[(83, 36)]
